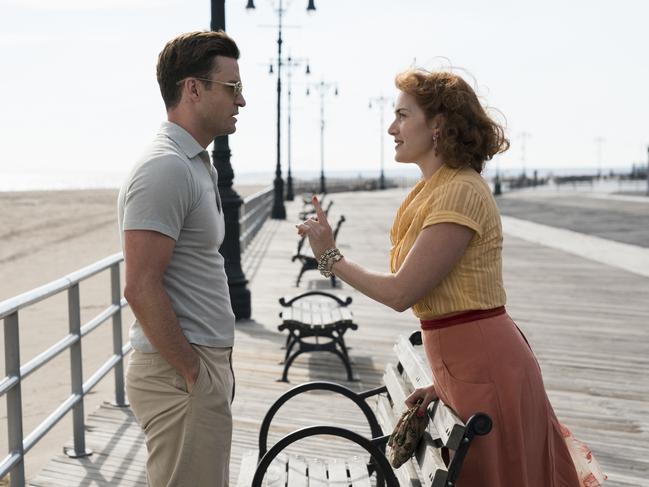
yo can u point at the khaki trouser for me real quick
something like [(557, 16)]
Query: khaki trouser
[(188, 436)]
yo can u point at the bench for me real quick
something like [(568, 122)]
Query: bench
[(316, 321), (427, 468), (309, 210), (310, 263)]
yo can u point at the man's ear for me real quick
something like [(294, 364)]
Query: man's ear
[(190, 89), (193, 88)]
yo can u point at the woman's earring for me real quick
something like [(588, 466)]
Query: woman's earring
[(435, 140)]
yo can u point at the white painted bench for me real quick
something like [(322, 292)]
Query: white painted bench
[(271, 467), (316, 321)]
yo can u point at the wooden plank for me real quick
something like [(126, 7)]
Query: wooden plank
[(431, 463), (297, 472), (337, 470), (317, 473), (385, 415), (358, 473), (397, 388), (276, 473), (449, 427), (247, 469), (407, 475), (417, 371)]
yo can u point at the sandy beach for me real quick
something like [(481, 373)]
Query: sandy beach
[(45, 235)]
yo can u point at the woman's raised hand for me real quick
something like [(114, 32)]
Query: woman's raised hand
[(424, 394), (318, 231)]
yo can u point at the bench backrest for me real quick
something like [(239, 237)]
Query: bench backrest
[(445, 428), (317, 313)]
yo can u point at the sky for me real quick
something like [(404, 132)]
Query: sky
[(80, 94)]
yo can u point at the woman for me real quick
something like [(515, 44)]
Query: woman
[(446, 265)]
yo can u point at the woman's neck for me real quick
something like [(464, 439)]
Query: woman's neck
[(430, 166)]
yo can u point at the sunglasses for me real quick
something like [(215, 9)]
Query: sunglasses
[(237, 87)]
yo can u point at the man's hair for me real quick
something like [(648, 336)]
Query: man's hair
[(469, 137), (191, 54)]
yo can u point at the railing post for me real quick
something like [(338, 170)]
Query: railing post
[(14, 398), (116, 293), (76, 375)]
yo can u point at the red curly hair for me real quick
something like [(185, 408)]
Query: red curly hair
[(469, 136)]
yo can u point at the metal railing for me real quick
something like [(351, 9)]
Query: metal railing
[(10, 385), (253, 213)]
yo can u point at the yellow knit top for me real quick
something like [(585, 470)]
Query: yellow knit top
[(458, 196)]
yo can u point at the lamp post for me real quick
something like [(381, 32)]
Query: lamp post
[(323, 88), (381, 101), (290, 64), (497, 183), (278, 211), (524, 136), (231, 201), (599, 140)]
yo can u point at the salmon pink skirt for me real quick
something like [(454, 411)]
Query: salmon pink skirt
[(486, 366)]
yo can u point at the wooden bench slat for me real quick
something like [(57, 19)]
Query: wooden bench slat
[(276, 473), (338, 474), (431, 463), (397, 388), (385, 416), (247, 468), (358, 473), (407, 475), (317, 473), (448, 426), (417, 371), (297, 472)]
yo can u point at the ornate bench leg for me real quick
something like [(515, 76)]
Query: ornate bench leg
[(299, 276), (350, 375), (289, 348), (288, 363)]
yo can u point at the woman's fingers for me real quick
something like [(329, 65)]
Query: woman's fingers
[(414, 398), (322, 218), (422, 396)]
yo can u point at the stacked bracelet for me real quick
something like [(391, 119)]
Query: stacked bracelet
[(327, 260)]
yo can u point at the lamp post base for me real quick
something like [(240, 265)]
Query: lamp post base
[(382, 181), (279, 211), (497, 189), (289, 188), (240, 298), (323, 187)]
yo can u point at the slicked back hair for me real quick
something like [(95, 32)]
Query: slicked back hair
[(191, 54)]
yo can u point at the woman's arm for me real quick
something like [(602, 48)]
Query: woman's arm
[(435, 252)]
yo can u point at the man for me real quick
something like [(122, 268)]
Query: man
[(179, 381)]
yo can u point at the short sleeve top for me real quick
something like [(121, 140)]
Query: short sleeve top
[(173, 190), (454, 196)]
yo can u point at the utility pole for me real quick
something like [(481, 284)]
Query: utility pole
[(599, 140), (524, 136), (323, 88), (381, 102), (290, 64), (278, 211)]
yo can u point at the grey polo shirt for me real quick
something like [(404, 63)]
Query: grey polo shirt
[(173, 190)]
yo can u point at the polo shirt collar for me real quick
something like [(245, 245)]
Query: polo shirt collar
[(184, 139)]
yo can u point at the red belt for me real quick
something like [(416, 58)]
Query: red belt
[(464, 317)]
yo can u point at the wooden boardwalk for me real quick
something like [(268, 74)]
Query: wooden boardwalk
[(588, 324)]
